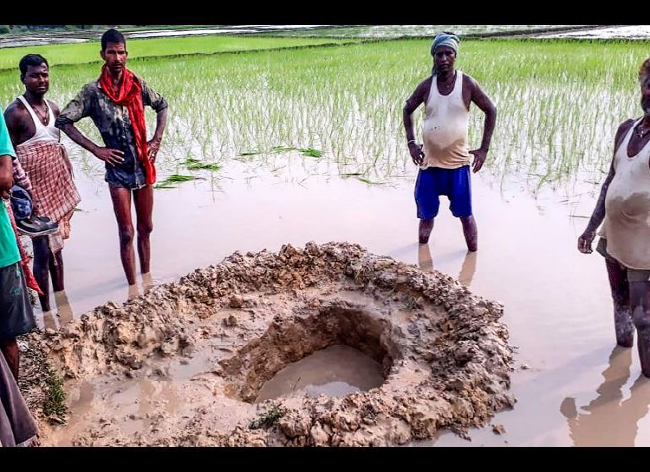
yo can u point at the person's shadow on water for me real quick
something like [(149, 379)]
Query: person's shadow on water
[(608, 420), (467, 271)]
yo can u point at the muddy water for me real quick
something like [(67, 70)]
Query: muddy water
[(104, 398), (335, 372), (135, 405), (570, 385)]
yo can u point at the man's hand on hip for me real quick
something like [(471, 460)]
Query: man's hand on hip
[(479, 159), (112, 156), (416, 153)]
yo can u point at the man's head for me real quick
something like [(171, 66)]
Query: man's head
[(114, 50), (35, 73), (644, 81), (444, 50)]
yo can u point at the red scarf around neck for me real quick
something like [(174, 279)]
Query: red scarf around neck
[(129, 94)]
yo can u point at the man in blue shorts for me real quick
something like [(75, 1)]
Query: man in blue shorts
[(115, 102), (444, 158)]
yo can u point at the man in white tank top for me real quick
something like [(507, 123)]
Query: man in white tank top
[(444, 158), (624, 210), (30, 120)]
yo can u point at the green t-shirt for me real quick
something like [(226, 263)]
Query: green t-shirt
[(9, 254)]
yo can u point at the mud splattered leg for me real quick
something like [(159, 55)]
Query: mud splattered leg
[(426, 226), (471, 233), (621, 298), (640, 305)]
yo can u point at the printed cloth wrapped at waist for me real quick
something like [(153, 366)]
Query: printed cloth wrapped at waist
[(50, 172)]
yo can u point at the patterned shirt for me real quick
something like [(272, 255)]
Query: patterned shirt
[(114, 124)]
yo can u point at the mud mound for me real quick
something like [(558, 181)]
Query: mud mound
[(214, 338)]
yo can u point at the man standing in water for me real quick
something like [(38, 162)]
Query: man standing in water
[(115, 102), (624, 207), (444, 158), (16, 316), (48, 171)]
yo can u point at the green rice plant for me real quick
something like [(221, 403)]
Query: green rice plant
[(310, 152), (560, 103), (195, 164), (169, 182)]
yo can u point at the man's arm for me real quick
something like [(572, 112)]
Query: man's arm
[(158, 103), (7, 154), (480, 98), (415, 100), (6, 175), (598, 215), (15, 120), (112, 156), (75, 111), (154, 144)]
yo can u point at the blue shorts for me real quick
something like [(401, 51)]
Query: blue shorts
[(130, 174), (434, 182)]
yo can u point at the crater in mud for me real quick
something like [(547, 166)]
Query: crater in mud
[(335, 371), (215, 338), (283, 344)]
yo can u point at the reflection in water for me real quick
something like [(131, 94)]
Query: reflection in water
[(147, 282), (609, 420), (467, 270), (133, 291), (64, 312), (55, 320), (49, 320), (424, 258)]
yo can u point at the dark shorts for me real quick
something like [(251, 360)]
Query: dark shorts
[(453, 183), (129, 175), (633, 275), (16, 315)]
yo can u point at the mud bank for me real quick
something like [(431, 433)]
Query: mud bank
[(184, 363)]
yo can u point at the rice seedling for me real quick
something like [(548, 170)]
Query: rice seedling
[(560, 103), (195, 164)]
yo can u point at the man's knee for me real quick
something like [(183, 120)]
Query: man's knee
[(126, 236), (145, 229)]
